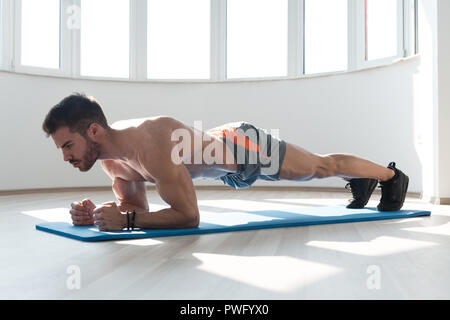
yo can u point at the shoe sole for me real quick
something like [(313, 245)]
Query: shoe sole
[(404, 190), (375, 183)]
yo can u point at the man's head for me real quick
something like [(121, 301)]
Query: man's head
[(77, 125)]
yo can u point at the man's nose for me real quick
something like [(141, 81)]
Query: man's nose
[(66, 156)]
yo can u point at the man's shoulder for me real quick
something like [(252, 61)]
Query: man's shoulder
[(161, 129), (157, 134), (154, 122), (156, 153), (160, 123)]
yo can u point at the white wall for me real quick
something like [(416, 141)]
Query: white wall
[(366, 113), (425, 98), (444, 97), (385, 114)]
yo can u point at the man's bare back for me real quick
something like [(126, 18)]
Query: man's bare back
[(150, 135)]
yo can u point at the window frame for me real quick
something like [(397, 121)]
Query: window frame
[(218, 41), (70, 42), (17, 65), (138, 40), (362, 63), (6, 38), (217, 10), (134, 47), (351, 42)]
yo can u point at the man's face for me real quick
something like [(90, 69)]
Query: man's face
[(81, 152)]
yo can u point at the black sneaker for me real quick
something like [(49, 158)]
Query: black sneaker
[(393, 191), (361, 190)]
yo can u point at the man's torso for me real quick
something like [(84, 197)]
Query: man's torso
[(152, 134)]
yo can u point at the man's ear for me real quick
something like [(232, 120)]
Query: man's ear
[(95, 131)]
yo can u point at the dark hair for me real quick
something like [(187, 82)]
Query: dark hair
[(77, 112)]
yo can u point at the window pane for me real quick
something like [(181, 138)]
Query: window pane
[(105, 44), (40, 33), (381, 29), (326, 36), (178, 44), (257, 32)]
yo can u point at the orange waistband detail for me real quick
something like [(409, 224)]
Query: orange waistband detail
[(237, 137)]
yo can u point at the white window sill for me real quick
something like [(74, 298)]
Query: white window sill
[(52, 74)]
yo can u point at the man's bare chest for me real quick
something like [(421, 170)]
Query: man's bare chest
[(129, 171)]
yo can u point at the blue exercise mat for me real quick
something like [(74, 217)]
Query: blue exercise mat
[(211, 222)]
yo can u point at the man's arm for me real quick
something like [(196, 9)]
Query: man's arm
[(176, 188), (131, 195), (173, 183), (172, 180)]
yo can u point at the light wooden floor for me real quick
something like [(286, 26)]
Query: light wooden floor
[(407, 259)]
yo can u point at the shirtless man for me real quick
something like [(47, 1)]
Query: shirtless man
[(139, 150)]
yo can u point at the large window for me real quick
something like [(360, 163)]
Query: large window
[(257, 38), (178, 39), (105, 43), (40, 33), (326, 36), (382, 20), (212, 40)]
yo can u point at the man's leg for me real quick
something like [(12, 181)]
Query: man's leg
[(302, 165)]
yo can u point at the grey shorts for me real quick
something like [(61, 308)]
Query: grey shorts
[(258, 154)]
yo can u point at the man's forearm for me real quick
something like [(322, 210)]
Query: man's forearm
[(166, 218), (126, 206)]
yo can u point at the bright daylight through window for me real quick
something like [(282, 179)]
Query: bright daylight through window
[(257, 38), (204, 39), (40, 33), (326, 36), (105, 38), (178, 39), (381, 29)]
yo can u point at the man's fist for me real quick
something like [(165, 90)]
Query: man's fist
[(82, 213), (109, 218)]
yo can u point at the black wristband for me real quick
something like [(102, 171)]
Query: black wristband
[(128, 220), (133, 220)]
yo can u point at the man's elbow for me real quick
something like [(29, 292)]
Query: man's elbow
[(193, 220)]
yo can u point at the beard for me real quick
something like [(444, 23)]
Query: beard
[(90, 156)]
